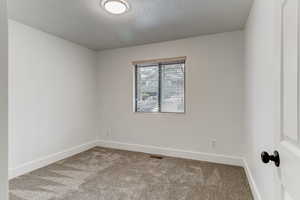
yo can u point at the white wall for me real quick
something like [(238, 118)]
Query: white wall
[(3, 101), (261, 94), (52, 95), (214, 96)]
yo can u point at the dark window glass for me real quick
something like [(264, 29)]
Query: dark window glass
[(147, 89), (160, 88), (172, 88)]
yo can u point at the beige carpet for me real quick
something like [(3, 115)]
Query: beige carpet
[(107, 174)]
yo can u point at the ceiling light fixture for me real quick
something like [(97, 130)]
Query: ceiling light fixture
[(116, 7)]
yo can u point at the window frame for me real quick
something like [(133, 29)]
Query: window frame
[(158, 63)]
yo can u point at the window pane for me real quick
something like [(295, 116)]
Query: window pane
[(172, 88), (147, 89)]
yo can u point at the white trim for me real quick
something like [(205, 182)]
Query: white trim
[(201, 156), (216, 158), (253, 185), (42, 162)]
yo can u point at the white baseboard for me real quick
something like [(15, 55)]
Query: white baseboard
[(253, 186), (216, 158), (42, 162), (210, 157)]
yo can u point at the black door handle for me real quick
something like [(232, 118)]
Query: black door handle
[(265, 157)]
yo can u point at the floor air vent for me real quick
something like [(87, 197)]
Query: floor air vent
[(156, 157)]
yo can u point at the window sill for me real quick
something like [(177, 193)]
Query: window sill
[(161, 113)]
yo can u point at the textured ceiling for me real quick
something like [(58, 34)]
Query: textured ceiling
[(86, 23)]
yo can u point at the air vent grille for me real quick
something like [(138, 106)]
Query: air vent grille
[(156, 157)]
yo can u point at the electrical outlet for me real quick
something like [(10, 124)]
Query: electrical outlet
[(108, 132), (213, 144)]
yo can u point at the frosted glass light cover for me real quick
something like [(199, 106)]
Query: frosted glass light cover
[(115, 6)]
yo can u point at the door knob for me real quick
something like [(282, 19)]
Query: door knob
[(266, 158)]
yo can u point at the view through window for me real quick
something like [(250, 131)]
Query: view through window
[(160, 87)]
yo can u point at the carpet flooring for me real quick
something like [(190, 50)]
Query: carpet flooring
[(108, 174)]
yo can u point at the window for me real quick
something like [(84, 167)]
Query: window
[(159, 86)]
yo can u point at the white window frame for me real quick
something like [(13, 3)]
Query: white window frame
[(159, 63)]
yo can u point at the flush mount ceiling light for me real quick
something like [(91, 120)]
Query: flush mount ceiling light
[(116, 7)]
